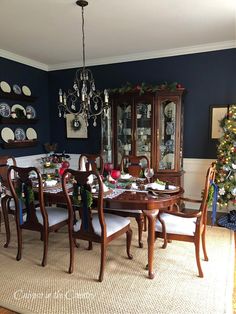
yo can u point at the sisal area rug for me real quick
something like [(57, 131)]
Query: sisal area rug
[(26, 287)]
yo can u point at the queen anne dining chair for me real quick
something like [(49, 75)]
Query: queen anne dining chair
[(92, 225), (36, 218), (7, 204), (91, 162), (133, 165), (188, 227)]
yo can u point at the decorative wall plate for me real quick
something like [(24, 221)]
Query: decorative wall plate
[(19, 134), (31, 134), (5, 110), (14, 107), (16, 89), (31, 110), (7, 134), (170, 110), (5, 87), (26, 91)]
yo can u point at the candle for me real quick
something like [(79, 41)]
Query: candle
[(60, 96)]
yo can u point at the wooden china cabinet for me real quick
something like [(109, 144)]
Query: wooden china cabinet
[(150, 124)]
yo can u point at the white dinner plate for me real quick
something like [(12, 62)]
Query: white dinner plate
[(31, 134), (7, 134), (14, 107), (19, 134), (26, 91), (16, 89), (31, 110), (5, 110), (5, 87)]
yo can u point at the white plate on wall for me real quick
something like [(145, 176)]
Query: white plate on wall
[(14, 107), (31, 134), (5, 87), (26, 91), (7, 134)]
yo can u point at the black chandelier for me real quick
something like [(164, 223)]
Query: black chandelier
[(83, 100)]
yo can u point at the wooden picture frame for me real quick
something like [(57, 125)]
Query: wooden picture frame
[(217, 113), (81, 132)]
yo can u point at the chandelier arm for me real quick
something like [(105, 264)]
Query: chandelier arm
[(83, 37)]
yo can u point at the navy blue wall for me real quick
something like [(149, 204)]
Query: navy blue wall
[(209, 79), (37, 80)]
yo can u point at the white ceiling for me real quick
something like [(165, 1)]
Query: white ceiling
[(47, 33)]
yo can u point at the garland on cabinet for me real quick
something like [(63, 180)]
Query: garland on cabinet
[(144, 87)]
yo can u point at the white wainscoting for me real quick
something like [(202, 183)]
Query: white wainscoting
[(194, 177)]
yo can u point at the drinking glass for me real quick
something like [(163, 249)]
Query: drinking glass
[(115, 174), (148, 172)]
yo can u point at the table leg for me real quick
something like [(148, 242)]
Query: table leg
[(4, 204), (151, 216)]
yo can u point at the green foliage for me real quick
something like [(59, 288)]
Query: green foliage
[(226, 160), (77, 197), (143, 88)]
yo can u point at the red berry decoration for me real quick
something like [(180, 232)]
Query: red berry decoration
[(65, 164), (178, 85)]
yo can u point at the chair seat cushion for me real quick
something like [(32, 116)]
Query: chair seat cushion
[(114, 223), (55, 215), (177, 225)]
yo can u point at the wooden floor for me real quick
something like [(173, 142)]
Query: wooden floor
[(5, 311)]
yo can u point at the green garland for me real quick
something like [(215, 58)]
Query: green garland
[(77, 198), (128, 87)]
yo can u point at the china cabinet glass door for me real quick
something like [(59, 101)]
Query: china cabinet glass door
[(167, 135), (124, 130), (143, 129), (107, 136)]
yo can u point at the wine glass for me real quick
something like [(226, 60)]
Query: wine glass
[(115, 174), (149, 173)]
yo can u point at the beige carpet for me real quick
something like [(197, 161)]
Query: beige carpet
[(26, 287)]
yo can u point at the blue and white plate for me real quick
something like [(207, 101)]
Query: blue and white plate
[(31, 111), (5, 110), (19, 134), (17, 89)]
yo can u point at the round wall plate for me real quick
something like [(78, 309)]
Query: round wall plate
[(7, 134), (5, 87), (31, 134), (26, 91)]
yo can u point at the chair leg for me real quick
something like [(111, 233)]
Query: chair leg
[(4, 205), (72, 253), (204, 244), (103, 261), (128, 242), (45, 248), (90, 246), (19, 241), (164, 234), (145, 224), (140, 222), (197, 253)]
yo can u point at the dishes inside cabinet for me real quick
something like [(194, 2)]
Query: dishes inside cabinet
[(26, 90), (5, 87), (17, 106), (7, 134), (169, 110), (5, 110), (31, 111), (17, 89), (19, 134), (31, 134), (169, 146)]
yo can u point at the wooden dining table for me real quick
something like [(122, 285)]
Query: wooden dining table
[(124, 199)]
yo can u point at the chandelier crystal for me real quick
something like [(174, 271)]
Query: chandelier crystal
[(83, 99)]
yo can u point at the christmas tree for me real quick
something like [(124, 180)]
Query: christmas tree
[(226, 160)]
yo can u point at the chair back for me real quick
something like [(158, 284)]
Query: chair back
[(91, 162), (22, 190), (210, 177), (134, 164), (5, 162), (81, 197)]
